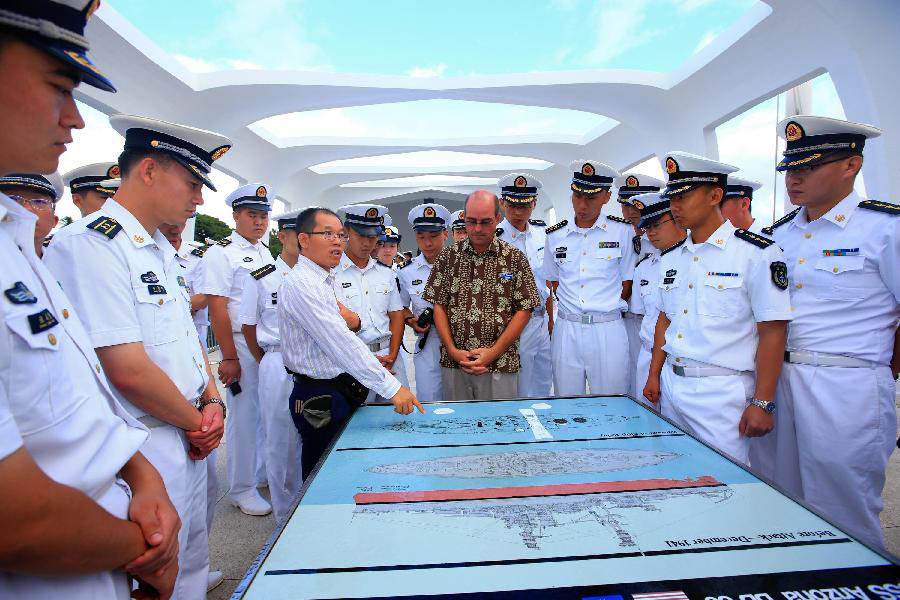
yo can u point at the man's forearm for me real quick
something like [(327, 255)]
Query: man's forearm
[(199, 302), (442, 323), (658, 356), (52, 529), (512, 331), (221, 326), (396, 327), (626, 290), (249, 332), (769, 357)]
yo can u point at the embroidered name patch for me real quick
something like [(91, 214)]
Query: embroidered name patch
[(668, 280), (274, 298), (346, 284), (717, 274), (609, 244), (671, 273), (20, 294), (156, 289), (417, 282), (841, 252), (181, 281), (42, 321), (149, 277), (644, 282), (506, 276), (248, 259)]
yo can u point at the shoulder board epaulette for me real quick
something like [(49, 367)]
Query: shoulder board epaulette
[(667, 250), (46, 241), (537, 222), (107, 226), (224, 242), (263, 271), (771, 228), (618, 219), (406, 264), (757, 240), (885, 207), (200, 251), (499, 231), (559, 225)]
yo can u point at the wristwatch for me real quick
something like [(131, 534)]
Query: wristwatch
[(204, 403), (766, 405)]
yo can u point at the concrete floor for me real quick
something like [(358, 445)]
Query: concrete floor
[(237, 538)]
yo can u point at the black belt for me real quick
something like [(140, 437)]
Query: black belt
[(345, 383)]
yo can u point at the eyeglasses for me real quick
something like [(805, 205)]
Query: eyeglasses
[(657, 224), (43, 204), (329, 236), (811, 168), (483, 222)]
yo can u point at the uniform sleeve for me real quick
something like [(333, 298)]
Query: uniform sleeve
[(405, 298), (320, 319), (437, 289), (195, 281), (10, 439), (217, 273), (889, 260), (248, 313), (768, 301), (549, 269), (629, 257), (99, 287), (526, 296), (395, 302), (636, 302)]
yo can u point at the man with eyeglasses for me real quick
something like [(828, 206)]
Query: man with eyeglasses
[(225, 266), (656, 220), (369, 288), (333, 369), (38, 194), (836, 421), (483, 293)]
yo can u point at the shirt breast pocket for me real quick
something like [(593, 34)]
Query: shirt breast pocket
[(843, 278), (670, 291), (157, 314), (720, 296), (604, 260)]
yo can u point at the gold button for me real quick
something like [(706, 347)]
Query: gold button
[(801, 261), (97, 368), (160, 301), (690, 286), (65, 313), (719, 286), (696, 258), (799, 285), (52, 339), (835, 270), (807, 235)]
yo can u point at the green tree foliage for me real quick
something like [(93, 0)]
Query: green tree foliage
[(65, 221), (210, 227), (274, 244)]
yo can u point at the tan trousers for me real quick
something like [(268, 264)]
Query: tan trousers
[(459, 385)]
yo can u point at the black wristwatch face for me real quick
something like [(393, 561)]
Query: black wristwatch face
[(770, 407)]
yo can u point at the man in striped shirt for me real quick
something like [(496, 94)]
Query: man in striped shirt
[(333, 369)]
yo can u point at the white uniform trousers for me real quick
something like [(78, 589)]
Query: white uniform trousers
[(835, 430), (202, 333), (242, 431), (112, 585), (427, 363), (594, 354), (709, 407), (535, 370), (641, 371), (633, 330), (212, 487), (283, 468), (185, 480)]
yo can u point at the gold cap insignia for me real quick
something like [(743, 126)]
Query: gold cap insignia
[(671, 165), (219, 152), (372, 213), (261, 191), (587, 169), (638, 204), (114, 172), (520, 181), (793, 131), (632, 181), (429, 212), (154, 143)]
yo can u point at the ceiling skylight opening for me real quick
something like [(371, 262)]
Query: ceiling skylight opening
[(430, 161), (422, 181)]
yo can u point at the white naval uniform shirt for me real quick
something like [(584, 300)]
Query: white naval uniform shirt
[(55, 399), (844, 280), (413, 278), (315, 340), (129, 288), (371, 293), (590, 265), (715, 293), (259, 304), (193, 273), (225, 266), (531, 243), (645, 297), (756, 227)]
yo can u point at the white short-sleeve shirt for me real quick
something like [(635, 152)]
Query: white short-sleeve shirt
[(714, 294), (371, 293), (129, 288), (259, 303), (531, 243), (645, 297), (413, 278), (191, 260), (590, 264)]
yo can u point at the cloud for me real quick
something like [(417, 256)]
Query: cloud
[(434, 71), (619, 27), (195, 65), (687, 6), (707, 38)]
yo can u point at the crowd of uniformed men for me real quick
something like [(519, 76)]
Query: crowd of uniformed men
[(109, 411)]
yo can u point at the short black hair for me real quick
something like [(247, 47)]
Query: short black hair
[(129, 158), (306, 220)]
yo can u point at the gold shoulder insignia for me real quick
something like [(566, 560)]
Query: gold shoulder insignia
[(559, 225), (669, 249), (877, 205), (618, 219), (788, 217), (200, 251), (262, 271), (757, 240), (537, 222), (106, 226), (224, 242)]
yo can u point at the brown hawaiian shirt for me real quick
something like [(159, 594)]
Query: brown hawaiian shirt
[(481, 293)]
